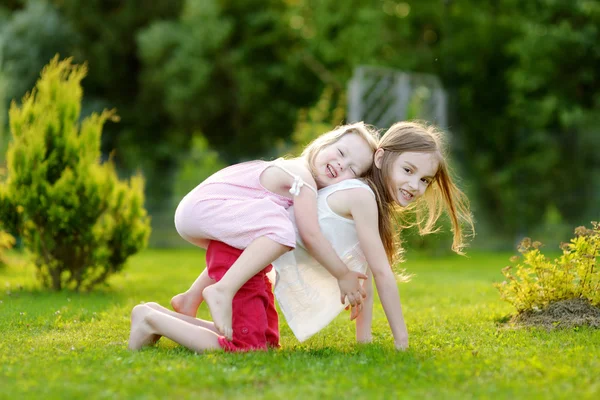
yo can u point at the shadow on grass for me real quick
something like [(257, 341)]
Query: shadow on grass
[(98, 297), (347, 353), (38, 311), (22, 289)]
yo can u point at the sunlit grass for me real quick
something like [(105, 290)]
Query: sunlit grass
[(68, 345)]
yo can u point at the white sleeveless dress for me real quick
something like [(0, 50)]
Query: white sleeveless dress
[(308, 295)]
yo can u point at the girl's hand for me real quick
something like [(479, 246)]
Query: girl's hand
[(350, 287), (354, 311)]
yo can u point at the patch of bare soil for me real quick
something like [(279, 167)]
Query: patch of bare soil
[(561, 314)]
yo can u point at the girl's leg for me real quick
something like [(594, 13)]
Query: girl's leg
[(364, 320), (187, 303), (195, 321), (147, 323), (260, 253)]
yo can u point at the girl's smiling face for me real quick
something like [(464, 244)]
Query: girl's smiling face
[(410, 175), (349, 157)]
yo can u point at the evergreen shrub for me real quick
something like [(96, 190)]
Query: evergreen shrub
[(78, 221)]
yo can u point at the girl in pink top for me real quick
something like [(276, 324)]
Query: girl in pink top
[(245, 206)]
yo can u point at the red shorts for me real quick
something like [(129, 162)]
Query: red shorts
[(254, 317)]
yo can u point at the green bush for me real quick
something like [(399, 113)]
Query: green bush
[(76, 218), (7, 241), (327, 113), (538, 281), (200, 162)]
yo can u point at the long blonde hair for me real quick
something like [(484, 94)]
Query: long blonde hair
[(442, 194), (366, 132)]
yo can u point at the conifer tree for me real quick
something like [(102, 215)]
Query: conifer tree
[(77, 219)]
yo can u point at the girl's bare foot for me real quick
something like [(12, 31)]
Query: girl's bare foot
[(219, 304), (141, 332), (184, 303)]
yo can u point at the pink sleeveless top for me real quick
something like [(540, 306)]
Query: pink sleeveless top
[(233, 207)]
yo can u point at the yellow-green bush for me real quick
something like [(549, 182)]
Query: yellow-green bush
[(7, 241), (536, 281), (76, 218)]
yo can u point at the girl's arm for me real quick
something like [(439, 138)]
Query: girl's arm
[(365, 317), (364, 212), (305, 210)]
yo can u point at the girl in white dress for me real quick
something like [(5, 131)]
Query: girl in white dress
[(410, 174), (306, 292)]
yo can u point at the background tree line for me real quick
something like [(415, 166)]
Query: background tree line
[(237, 75)]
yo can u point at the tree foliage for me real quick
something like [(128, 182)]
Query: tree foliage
[(312, 122), (554, 90), (107, 43), (28, 40), (522, 79), (7, 241), (75, 216), (226, 69), (524, 105)]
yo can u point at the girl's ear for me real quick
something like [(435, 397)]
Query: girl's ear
[(378, 158)]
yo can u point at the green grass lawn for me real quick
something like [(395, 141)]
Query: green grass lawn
[(68, 345)]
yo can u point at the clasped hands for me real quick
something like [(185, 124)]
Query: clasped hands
[(351, 288)]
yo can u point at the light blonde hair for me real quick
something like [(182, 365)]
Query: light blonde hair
[(442, 194), (369, 134)]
